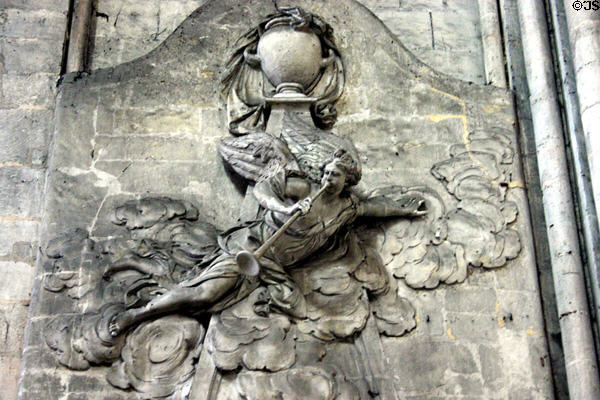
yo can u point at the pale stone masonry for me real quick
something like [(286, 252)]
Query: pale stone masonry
[(443, 34), (31, 41)]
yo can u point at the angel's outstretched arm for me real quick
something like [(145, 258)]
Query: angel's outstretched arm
[(381, 207)]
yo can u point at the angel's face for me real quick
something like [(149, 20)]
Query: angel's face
[(334, 177)]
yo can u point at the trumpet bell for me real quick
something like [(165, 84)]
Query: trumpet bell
[(247, 263)]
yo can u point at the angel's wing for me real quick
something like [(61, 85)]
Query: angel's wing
[(312, 147), (250, 155)]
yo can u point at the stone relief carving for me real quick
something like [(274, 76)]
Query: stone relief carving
[(261, 69), (311, 273)]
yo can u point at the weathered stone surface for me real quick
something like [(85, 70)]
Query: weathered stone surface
[(34, 90), (31, 40), (32, 24), (119, 138), (16, 232), (127, 29), (51, 5), (15, 282), (20, 190), (442, 358), (42, 55), (10, 376)]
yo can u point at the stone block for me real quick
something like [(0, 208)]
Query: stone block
[(173, 12), (427, 365), (491, 374), (375, 5), (436, 5), (86, 383), (458, 385), (9, 376), (16, 149), (474, 300), (471, 327), (517, 310), (110, 51), (21, 191), (30, 126), (35, 336), (213, 122), (52, 304), (16, 279), (27, 56), (134, 121), (515, 356), (52, 5), (430, 321), (128, 19), (21, 131), (107, 51), (518, 275), (34, 90), (33, 24), (540, 365), (482, 277), (457, 30), (466, 65), (37, 385), (40, 356), (413, 28), (14, 232), (13, 318), (148, 148)]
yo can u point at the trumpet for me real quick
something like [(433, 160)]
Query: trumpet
[(248, 262)]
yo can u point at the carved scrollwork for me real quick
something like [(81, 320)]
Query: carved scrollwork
[(476, 232), (158, 357), (239, 337), (73, 263)]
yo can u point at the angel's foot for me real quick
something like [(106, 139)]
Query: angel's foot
[(120, 322)]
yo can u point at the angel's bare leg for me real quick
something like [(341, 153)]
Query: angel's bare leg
[(181, 298)]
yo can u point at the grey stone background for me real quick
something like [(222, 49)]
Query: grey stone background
[(444, 34)]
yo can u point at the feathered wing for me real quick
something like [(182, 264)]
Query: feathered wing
[(251, 156), (311, 146)]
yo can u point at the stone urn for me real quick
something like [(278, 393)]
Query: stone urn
[(290, 58)]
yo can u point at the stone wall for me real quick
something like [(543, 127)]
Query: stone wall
[(31, 40), (443, 35)]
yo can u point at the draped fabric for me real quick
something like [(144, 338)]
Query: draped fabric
[(245, 87)]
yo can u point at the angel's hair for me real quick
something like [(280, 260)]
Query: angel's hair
[(348, 164)]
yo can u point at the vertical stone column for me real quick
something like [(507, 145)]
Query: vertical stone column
[(584, 36), (567, 268), (79, 41), (492, 43)]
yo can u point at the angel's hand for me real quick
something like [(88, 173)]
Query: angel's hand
[(412, 205), (303, 206)]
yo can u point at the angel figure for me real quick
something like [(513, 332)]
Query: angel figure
[(282, 188)]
